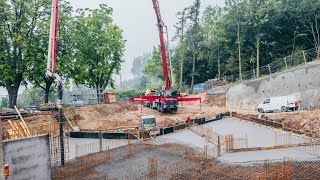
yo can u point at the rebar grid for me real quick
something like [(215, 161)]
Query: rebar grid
[(263, 171), (131, 162), (164, 159), (226, 142)]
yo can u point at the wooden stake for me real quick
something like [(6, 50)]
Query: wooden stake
[(24, 123), (68, 121)]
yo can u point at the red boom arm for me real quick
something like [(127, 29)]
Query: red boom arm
[(162, 45), (54, 35)]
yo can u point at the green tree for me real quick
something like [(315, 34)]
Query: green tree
[(37, 67), (180, 29), (19, 23), (310, 19), (139, 63), (4, 102), (98, 47), (195, 33), (153, 66), (257, 16), (214, 38)]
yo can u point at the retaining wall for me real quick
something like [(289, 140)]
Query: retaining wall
[(28, 158), (304, 82)]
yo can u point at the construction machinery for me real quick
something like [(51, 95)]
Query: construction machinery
[(167, 99), (149, 124), (150, 92)]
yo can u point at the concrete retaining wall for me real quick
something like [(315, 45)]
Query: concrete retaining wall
[(217, 91), (304, 82), (28, 158)]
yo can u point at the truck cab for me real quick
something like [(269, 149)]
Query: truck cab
[(169, 101)]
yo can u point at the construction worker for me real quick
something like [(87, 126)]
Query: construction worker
[(188, 120)]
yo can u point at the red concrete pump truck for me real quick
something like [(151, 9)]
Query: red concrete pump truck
[(168, 98)]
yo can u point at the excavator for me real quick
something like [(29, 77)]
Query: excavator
[(167, 99)]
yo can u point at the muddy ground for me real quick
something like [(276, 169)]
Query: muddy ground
[(126, 116)]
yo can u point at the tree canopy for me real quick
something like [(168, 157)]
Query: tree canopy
[(89, 46), (243, 35), (98, 48), (153, 66), (20, 26)]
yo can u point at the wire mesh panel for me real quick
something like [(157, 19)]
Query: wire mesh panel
[(134, 161), (285, 169), (165, 159)]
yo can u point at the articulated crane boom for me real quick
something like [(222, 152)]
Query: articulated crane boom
[(51, 69), (162, 45), (168, 98)]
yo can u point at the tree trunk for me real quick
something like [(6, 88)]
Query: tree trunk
[(46, 95), (219, 69), (182, 54), (239, 49), (47, 90), (98, 95), (193, 70), (258, 55), (181, 71), (13, 94)]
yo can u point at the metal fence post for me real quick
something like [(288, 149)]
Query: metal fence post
[(219, 147), (269, 69), (100, 141), (304, 56), (285, 61)]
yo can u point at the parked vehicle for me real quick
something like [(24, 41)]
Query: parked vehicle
[(281, 103)]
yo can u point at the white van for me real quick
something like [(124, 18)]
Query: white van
[(282, 103)]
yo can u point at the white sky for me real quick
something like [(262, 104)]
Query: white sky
[(137, 19)]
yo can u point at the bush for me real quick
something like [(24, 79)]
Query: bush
[(125, 94), (4, 102)]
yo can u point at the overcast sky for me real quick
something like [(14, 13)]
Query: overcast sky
[(137, 19)]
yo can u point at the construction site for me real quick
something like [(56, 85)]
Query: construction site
[(257, 127), (214, 144)]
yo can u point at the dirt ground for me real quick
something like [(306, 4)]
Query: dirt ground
[(123, 115), (303, 120)]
